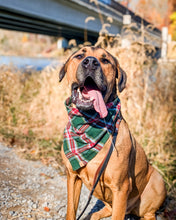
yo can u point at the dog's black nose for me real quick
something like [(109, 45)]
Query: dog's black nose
[(90, 63)]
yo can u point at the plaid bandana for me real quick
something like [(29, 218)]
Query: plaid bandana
[(86, 133)]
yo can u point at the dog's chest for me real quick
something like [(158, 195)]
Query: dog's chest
[(103, 188), (106, 182)]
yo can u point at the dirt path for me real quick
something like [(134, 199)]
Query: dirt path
[(30, 190)]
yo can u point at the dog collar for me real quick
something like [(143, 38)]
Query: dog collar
[(86, 133)]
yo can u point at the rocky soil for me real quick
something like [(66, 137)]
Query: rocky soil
[(31, 191)]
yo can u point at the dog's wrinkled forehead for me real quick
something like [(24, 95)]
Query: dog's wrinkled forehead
[(96, 52), (107, 62)]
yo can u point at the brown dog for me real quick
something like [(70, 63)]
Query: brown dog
[(129, 183)]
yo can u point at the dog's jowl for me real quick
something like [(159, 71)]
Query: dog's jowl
[(129, 184)]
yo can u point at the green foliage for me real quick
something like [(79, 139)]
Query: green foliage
[(13, 112)]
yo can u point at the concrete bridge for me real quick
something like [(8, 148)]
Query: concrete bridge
[(67, 18)]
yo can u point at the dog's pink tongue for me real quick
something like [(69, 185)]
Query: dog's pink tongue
[(98, 101)]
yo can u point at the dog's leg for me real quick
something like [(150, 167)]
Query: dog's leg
[(74, 184), (119, 201), (106, 211), (152, 197)]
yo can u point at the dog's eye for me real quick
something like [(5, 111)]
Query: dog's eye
[(79, 56), (105, 61)]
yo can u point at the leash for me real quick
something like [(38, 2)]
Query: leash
[(102, 166)]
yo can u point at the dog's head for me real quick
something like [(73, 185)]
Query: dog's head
[(92, 71)]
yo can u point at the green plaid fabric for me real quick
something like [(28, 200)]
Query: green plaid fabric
[(86, 133)]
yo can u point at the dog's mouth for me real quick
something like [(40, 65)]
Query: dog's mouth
[(89, 96)]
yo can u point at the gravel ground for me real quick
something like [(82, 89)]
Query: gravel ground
[(30, 190)]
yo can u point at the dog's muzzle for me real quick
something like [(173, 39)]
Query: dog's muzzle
[(89, 78)]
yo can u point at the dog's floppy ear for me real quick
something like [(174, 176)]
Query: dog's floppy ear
[(63, 70), (122, 77)]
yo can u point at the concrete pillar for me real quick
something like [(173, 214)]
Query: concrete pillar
[(126, 19), (164, 42), (62, 43), (125, 41)]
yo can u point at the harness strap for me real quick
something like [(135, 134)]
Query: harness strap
[(102, 166)]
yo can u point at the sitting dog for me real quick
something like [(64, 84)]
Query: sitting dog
[(129, 184)]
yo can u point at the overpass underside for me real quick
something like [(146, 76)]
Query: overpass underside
[(64, 18)]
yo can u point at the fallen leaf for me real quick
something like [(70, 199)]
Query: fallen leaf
[(46, 209), (33, 152)]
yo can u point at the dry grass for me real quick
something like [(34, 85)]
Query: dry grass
[(32, 112)]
